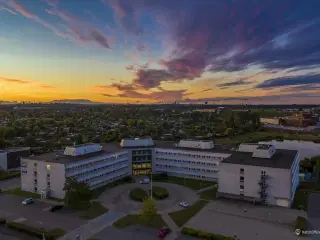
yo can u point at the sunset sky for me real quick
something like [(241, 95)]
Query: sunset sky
[(143, 51)]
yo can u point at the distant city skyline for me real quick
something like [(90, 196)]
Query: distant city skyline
[(147, 51)]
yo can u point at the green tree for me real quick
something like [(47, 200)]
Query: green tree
[(30, 141), (149, 210), (78, 194), (78, 139)]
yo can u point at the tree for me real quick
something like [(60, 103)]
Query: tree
[(30, 141), (78, 139), (149, 210), (77, 193)]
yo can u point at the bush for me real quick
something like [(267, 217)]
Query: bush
[(8, 175), (127, 179), (204, 235), (301, 223), (36, 232), (138, 194), (160, 193), (3, 221)]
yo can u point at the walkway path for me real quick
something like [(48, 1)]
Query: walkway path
[(94, 226), (172, 225)]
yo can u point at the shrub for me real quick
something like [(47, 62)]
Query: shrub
[(160, 176), (3, 220), (127, 179), (138, 194), (32, 231), (160, 193), (301, 223), (204, 235)]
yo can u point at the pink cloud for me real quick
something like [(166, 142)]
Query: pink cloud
[(8, 10)]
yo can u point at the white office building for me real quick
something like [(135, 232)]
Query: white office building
[(99, 165)]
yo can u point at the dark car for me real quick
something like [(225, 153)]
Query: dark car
[(55, 208), (163, 232)]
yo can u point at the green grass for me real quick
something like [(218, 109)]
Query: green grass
[(266, 136), (209, 194), (204, 235), (184, 215), (300, 200), (190, 183), (18, 192), (8, 175), (130, 219), (159, 193), (138, 194), (95, 210)]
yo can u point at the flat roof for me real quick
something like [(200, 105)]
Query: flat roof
[(58, 157), (14, 149), (281, 159), (170, 145)]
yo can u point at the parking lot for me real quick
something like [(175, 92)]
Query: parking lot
[(256, 222), (10, 183), (37, 214)]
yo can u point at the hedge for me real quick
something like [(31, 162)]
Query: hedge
[(204, 235), (301, 223), (3, 221), (138, 194), (159, 176), (159, 192), (52, 234), (8, 175)]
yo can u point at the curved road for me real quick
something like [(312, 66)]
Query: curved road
[(117, 198)]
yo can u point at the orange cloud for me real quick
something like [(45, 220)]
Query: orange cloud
[(10, 80)]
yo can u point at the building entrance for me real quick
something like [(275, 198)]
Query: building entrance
[(141, 168)]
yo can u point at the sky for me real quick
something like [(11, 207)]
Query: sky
[(149, 51)]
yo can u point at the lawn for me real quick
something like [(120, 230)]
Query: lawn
[(300, 200), (18, 192), (266, 136), (95, 210), (190, 183), (209, 194), (184, 215), (156, 222), (8, 175), (98, 191)]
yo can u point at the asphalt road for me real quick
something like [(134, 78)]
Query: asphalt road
[(37, 214), (11, 183)]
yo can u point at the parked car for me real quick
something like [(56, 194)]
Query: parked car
[(145, 181), (55, 208), (28, 201), (184, 204), (163, 232)]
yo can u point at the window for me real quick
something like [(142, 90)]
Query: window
[(263, 173), (35, 173), (48, 167), (241, 178), (35, 181), (35, 164), (35, 189), (48, 183), (241, 170), (241, 194), (241, 187)]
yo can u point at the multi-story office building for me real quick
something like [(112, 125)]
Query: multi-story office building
[(91, 163), (10, 157), (254, 172), (260, 173)]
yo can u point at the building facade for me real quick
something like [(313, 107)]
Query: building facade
[(10, 157), (240, 174), (260, 174)]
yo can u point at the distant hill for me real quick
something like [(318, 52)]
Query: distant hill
[(74, 101)]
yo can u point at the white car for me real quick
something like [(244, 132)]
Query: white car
[(145, 181), (28, 201), (184, 204)]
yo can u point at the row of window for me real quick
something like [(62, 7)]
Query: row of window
[(134, 152), (99, 161), (102, 174), (115, 167), (98, 168), (188, 161), (189, 155), (188, 168), (111, 179)]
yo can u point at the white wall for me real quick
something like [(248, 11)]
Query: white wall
[(3, 161)]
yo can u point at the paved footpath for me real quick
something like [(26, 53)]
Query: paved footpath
[(172, 225), (94, 226)]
